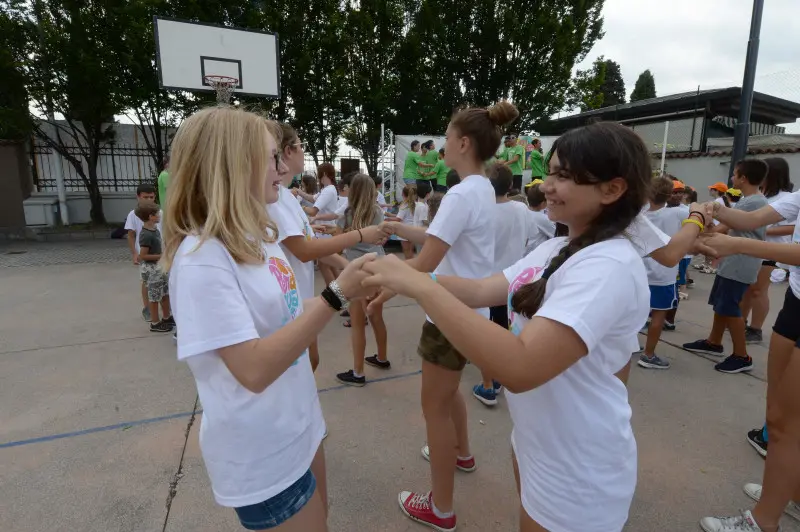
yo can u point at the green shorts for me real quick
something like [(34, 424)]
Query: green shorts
[(436, 349)]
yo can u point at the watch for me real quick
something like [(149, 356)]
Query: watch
[(334, 297)]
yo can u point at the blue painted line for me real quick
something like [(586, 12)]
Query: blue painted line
[(147, 421)]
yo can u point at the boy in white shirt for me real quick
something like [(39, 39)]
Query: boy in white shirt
[(145, 193), (661, 279)]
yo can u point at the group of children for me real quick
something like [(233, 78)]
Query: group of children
[(547, 299)]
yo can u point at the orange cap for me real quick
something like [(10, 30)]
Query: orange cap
[(719, 187), (677, 185)]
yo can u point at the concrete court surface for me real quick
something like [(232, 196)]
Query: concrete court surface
[(99, 431)]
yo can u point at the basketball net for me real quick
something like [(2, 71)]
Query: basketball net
[(223, 86)]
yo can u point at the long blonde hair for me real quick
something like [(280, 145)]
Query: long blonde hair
[(361, 204), (217, 176), (410, 197)]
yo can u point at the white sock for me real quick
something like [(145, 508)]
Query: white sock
[(438, 513), (464, 459), (357, 375)]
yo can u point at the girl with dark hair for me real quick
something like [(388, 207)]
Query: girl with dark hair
[(575, 306), (459, 242), (414, 164), (775, 187)]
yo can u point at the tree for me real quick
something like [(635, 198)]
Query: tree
[(76, 71), (613, 88), (645, 87), (16, 34), (373, 33)]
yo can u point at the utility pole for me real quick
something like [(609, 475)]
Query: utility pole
[(742, 129)]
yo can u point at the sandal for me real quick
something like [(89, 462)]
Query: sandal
[(348, 323)]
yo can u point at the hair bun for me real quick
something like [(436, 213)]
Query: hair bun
[(503, 113)]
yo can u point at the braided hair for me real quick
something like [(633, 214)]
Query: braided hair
[(591, 155)]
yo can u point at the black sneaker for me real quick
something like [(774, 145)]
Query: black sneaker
[(756, 439), (374, 361), (160, 327), (349, 378), (170, 320), (704, 346), (753, 336), (734, 364), (668, 326)]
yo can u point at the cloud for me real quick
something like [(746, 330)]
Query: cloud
[(686, 43)]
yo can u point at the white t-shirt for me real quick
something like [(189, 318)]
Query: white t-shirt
[(464, 222), (668, 220), (784, 239), (510, 233), (381, 201), (420, 214), (645, 236), (540, 229), (254, 445), (133, 223), (572, 436), (291, 220), (789, 207), (327, 202), (342, 206)]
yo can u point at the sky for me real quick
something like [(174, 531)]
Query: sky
[(686, 43)]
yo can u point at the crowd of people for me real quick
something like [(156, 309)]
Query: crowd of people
[(544, 288)]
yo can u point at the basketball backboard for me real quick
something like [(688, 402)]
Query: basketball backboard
[(188, 51)]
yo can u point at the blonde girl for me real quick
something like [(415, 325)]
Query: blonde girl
[(405, 215), (245, 329), (363, 212)]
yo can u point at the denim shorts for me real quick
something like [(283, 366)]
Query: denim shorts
[(726, 296), (280, 508)]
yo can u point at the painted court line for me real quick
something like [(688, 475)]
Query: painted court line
[(147, 421)]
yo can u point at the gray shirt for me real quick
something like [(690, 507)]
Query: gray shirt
[(744, 268), (151, 239), (362, 248)]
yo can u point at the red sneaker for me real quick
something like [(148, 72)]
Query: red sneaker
[(419, 507), (465, 465)]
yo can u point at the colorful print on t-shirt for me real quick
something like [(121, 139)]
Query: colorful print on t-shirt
[(285, 276), (526, 276)]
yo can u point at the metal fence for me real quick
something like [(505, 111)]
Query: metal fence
[(120, 167)]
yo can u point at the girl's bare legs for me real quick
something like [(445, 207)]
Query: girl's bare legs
[(782, 467), (408, 249), (358, 336), (757, 299), (329, 274), (313, 354), (488, 382), (439, 394), (381, 336), (459, 413), (526, 524), (314, 515)]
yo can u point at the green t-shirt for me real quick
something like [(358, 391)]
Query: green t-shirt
[(411, 167), (431, 158), (537, 164), (441, 170), (509, 153), (163, 183)]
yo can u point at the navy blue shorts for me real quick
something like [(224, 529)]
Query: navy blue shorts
[(280, 508), (663, 297), (787, 323), (726, 295), (683, 267)]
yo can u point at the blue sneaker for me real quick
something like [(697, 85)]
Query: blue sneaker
[(705, 347), (497, 386), (487, 397), (734, 364)]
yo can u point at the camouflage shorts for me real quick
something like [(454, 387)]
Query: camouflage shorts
[(155, 280), (436, 349)]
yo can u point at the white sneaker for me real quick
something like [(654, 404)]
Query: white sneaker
[(739, 523), (754, 492)]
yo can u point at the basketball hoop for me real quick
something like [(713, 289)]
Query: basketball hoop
[(223, 86)]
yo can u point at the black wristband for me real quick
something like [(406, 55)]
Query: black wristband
[(331, 299), (700, 214)]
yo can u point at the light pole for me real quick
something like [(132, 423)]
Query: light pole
[(742, 129)]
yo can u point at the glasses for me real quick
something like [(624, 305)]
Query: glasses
[(301, 145)]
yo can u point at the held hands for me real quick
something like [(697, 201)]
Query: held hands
[(352, 277), (374, 234), (389, 227), (718, 245)]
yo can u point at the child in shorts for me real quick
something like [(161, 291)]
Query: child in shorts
[(145, 193), (152, 277)]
